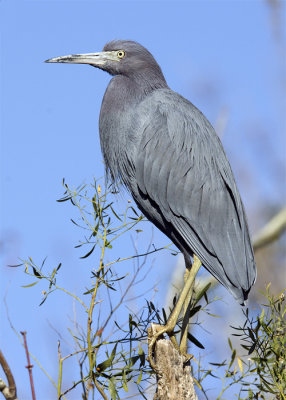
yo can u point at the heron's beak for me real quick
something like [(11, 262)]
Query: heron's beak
[(95, 59)]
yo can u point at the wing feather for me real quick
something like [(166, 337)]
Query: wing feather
[(181, 167)]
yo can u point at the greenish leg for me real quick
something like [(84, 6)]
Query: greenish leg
[(187, 305), (172, 320)]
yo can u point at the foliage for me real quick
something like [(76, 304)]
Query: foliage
[(261, 371), (111, 353)]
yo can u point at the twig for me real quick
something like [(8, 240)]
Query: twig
[(29, 366), (89, 321), (9, 392), (60, 370)]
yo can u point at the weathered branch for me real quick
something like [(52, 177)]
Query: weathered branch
[(8, 391), (29, 366), (174, 379), (271, 231)]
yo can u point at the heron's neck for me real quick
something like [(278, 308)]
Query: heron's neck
[(124, 91), (117, 137)]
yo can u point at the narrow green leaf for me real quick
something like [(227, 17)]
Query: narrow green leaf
[(124, 383), (135, 212), (31, 284), (113, 352), (195, 341), (197, 383), (252, 348), (261, 318), (89, 253), (139, 378), (36, 273), (116, 215), (232, 358), (64, 199), (133, 360), (202, 292), (219, 364), (194, 310), (112, 389)]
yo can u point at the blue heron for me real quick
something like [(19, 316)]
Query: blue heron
[(169, 157)]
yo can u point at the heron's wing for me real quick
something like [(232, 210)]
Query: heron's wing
[(181, 167)]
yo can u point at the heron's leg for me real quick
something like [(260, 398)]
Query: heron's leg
[(187, 305), (172, 320)]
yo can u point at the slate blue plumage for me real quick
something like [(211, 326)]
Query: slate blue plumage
[(167, 154)]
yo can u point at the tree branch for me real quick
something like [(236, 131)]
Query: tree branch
[(174, 379), (271, 231), (29, 366), (9, 392)]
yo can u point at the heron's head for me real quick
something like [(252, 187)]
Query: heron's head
[(119, 57)]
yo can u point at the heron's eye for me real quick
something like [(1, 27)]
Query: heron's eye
[(120, 54)]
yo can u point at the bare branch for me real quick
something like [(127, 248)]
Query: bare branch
[(174, 379), (271, 231), (29, 366), (9, 392)]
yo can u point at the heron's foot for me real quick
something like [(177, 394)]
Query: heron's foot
[(154, 333)]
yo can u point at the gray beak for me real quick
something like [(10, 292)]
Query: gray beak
[(95, 59)]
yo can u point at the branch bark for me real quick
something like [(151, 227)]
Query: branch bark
[(8, 391), (174, 379)]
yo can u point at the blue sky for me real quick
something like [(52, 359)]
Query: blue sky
[(221, 55)]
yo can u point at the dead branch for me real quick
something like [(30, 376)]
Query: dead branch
[(9, 391), (174, 379), (271, 231), (29, 366)]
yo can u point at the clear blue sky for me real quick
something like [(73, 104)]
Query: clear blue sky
[(221, 55)]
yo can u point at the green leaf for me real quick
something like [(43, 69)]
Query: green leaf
[(89, 253), (197, 383), (135, 212), (139, 378), (219, 364), (95, 230), (195, 341), (133, 360), (117, 216), (251, 349), (251, 334), (64, 199), (36, 273), (31, 284), (113, 352), (112, 389), (202, 292), (232, 358), (239, 362), (194, 310), (261, 318), (142, 356), (124, 385)]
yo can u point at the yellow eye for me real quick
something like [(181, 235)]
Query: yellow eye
[(120, 54)]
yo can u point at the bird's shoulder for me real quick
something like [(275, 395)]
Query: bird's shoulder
[(174, 115), (165, 117)]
